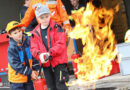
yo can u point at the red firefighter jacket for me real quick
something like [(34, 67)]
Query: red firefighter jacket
[(56, 44)]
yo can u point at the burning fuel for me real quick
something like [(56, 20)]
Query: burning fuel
[(93, 26)]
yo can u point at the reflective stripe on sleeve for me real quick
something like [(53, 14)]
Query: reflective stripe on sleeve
[(25, 70), (35, 65)]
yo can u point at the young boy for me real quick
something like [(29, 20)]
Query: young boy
[(49, 39), (22, 66)]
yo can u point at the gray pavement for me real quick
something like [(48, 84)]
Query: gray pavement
[(113, 82)]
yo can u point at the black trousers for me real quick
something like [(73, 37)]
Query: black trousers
[(56, 77)]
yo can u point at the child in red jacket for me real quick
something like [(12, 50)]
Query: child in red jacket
[(49, 40)]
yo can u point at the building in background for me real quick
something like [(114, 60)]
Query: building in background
[(9, 10)]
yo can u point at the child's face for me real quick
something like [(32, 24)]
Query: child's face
[(74, 2), (27, 2), (16, 35), (44, 19)]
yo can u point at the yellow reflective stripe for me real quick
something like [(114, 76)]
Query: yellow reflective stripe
[(60, 75), (28, 33)]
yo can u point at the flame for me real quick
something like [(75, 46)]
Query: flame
[(93, 26)]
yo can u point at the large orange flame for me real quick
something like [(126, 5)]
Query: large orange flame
[(93, 26)]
